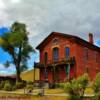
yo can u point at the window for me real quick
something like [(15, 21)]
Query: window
[(96, 56), (45, 57), (55, 41), (67, 52), (86, 54), (55, 54)]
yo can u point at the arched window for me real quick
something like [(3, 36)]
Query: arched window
[(67, 52), (55, 54), (45, 57)]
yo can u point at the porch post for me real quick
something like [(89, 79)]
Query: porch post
[(54, 73), (68, 71), (45, 73)]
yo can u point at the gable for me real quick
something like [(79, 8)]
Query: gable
[(52, 36)]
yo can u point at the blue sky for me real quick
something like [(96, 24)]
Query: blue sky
[(3, 55), (76, 17), (98, 43)]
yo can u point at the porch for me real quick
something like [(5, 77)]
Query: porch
[(61, 70)]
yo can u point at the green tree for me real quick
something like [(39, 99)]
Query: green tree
[(16, 44)]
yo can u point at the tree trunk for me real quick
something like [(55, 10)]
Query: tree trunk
[(18, 65), (18, 78)]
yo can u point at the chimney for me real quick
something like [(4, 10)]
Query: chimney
[(91, 38)]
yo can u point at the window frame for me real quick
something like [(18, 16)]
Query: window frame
[(66, 53), (53, 58)]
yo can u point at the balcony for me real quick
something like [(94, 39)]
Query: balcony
[(69, 60)]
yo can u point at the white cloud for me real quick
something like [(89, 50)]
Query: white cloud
[(15, 1), (2, 5), (77, 17), (9, 70)]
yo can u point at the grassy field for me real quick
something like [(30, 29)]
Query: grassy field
[(30, 97), (29, 75), (19, 95)]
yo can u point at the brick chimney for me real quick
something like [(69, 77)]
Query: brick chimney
[(91, 38)]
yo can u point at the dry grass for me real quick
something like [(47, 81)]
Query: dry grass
[(29, 75), (54, 91), (29, 97), (15, 96), (47, 91)]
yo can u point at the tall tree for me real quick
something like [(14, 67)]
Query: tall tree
[(16, 44)]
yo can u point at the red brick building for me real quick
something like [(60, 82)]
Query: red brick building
[(64, 57)]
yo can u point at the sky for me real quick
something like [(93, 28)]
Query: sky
[(76, 17)]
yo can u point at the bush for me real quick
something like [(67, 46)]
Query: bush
[(19, 85), (67, 87), (57, 85), (14, 88), (77, 86), (29, 87), (2, 84), (30, 83), (60, 85), (96, 86), (7, 87), (83, 80)]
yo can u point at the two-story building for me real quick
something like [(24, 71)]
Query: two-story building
[(64, 57)]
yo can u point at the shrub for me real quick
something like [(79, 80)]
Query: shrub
[(57, 85), (14, 88), (7, 87), (60, 85), (29, 87), (96, 86), (2, 84), (30, 83), (73, 87), (77, 86), (83, 80), (67, 87), (7, 81), (19, 85)]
